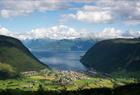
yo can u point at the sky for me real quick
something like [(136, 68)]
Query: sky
[(69, 19)]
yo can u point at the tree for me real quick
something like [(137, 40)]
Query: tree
[(41, 90)]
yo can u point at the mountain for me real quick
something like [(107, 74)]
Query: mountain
[(15, 54), (114, 55), (60, 45)]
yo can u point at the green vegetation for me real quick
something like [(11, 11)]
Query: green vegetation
[(7, 71), (14, 53), (64, 80), (125, 74), (114, 55), (21, 73)]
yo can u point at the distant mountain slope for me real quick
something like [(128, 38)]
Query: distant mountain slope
[(14, 53), (114, 55), (60, 45)]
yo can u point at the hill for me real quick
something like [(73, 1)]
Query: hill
[(15, 54), (114, 55)]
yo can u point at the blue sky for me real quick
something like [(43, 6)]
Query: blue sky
[(22, 16)]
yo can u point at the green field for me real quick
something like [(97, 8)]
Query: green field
[(64, 80)]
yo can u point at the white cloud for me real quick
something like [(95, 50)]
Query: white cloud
[(4, 13), (8, 13), (109, 33), (4, 31), (65, 32), (104, 11), (126, 10), (24, 7), (91, 14), (55, 32), (58, 32)]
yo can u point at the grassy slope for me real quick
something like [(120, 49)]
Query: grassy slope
[(13, 52)]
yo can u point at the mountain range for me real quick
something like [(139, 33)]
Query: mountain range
[(60, 45)]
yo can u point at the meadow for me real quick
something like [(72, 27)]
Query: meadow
[(61, 80)]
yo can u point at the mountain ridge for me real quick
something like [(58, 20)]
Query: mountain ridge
[(60, 45), (14, 53), (114, 55)]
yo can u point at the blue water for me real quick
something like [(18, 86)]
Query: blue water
[(69, 60)]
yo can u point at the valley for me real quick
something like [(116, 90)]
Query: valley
[(56, 72), (69, 47)]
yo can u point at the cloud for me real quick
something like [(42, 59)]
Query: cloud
[(91, 14), (24, 7), (65, 32), (109, 33), (92, 11), (126, 10), (55, 32), (4, 31), (58, 32)]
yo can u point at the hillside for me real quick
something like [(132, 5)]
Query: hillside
[(14, 53), (114, 55)]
